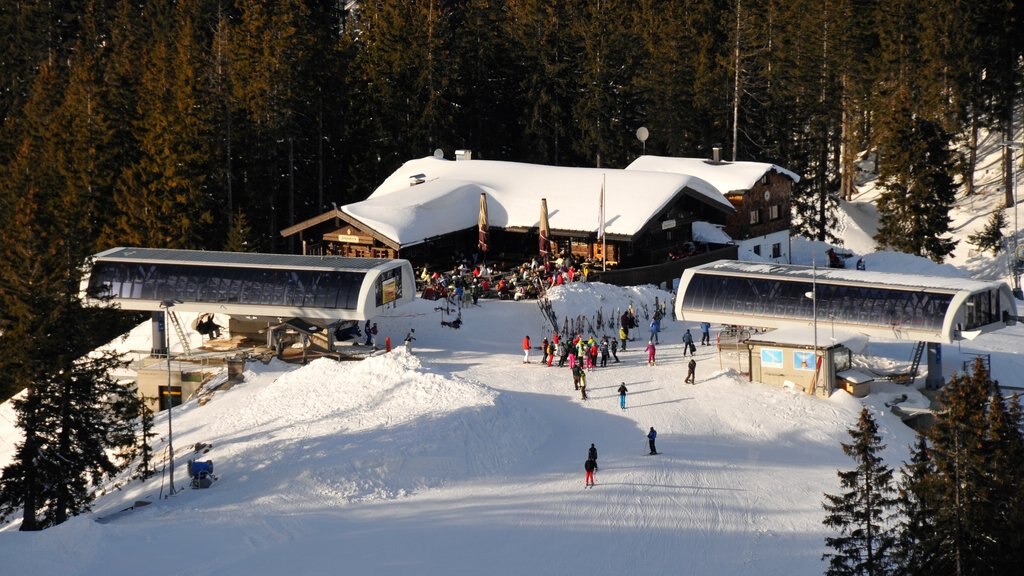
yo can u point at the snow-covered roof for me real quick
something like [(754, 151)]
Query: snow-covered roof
[(804, 336), (726, 176), (897, 280), (448, 198), (708, 232)]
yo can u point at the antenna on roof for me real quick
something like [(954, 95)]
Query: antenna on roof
[(641, 135)]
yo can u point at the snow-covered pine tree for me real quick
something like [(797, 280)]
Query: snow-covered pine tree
[(863, 514)]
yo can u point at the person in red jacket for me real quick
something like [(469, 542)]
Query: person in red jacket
[(526, 349)]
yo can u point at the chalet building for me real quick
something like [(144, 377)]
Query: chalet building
[(760, 193), (435, 212)]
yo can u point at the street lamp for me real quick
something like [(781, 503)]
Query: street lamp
[(167, 305), (813, 295)]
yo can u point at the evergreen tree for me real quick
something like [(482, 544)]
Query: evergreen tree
[(239, 235), (916, 174), (1005, 476), (143, 452), (990, 238), (605, 108), (916, 548), (961, 492), (162, 198), (862, 515)]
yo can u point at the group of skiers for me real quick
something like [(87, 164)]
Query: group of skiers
[(582, 354)]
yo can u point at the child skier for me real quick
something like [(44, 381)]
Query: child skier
[(650, 353)]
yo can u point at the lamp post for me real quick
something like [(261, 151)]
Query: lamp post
[(813, 295), (167, 305)]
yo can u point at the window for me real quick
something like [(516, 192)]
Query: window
[(755, 216), (774, 212), (776, 250), (757, 249)]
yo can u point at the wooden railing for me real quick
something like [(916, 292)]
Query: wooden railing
[(664, 273)]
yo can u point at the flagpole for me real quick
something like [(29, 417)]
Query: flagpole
[(604, 245)]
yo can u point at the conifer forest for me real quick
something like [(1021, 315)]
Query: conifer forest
[(214, 124)]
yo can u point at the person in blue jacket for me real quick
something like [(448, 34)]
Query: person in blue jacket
[(650, 439), (688, 343), (705, 333), (655, 328)]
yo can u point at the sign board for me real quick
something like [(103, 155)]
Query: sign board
[(668, 224), (771, 357), (803, 360)]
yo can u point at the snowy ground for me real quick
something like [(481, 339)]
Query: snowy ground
[(460, 459)]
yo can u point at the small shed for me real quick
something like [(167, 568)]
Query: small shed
[(789, 356)]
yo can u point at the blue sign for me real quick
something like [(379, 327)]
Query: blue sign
[(803, 360), (771, 357)]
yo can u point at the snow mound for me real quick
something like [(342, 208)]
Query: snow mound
[(381, 428)]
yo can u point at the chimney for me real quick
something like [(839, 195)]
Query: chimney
[(716, 154), (463, 154)]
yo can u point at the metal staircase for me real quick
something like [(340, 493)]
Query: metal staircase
[(182, 337), (915, 360)]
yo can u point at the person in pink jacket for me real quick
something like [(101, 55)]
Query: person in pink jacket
[(650, 353)]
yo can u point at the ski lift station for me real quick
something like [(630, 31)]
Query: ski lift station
[(809, 307), (257, 291)]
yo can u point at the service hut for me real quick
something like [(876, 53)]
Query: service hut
[(787, 357)]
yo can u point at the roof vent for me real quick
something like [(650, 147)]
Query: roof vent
[(417, 179), (463, 154), (716, 154)]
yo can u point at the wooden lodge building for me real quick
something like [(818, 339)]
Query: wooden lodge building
[(435, 212)]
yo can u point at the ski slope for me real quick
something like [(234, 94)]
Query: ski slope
[(460, 459)]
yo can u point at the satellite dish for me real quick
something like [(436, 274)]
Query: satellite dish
[(439, 154), (642, 134)]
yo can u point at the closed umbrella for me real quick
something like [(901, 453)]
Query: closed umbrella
[(482, 224), (545, 232)]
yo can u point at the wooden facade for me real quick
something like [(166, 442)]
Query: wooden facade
[(762, 210)]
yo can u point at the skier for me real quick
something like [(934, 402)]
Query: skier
[(690, 369), (623, 335), (687, 343), (655, 328), (615, 350), (589, 466), (622, 396), (372, 336), (650, 353), (576, 370), (408, 340), (705, 333), (583, 384), (544, 351), (563, 354), (369, 336), (604, 352), (650, 440), (592, 455), (526, 349)]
